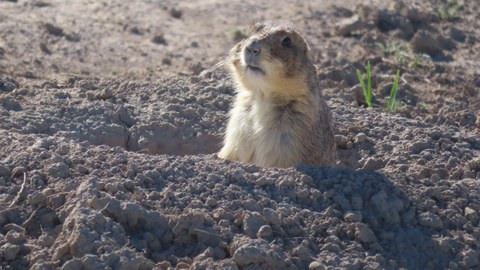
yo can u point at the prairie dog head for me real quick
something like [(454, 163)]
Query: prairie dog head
[(272, 60)]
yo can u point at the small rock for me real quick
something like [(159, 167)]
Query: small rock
[(252, 223), (343, 142), (306, 179), (129, 185), (45, 240), (256, 253), (425, 42), (419, 146), (14, 227), (364, 233), (387, 20), (39, 3), (159, 39), (357, 202), (62, 149), (73, 264), (135, 30), (4, 171), (349, 26), (90, 261), (10, 251), (474, 164), (453, 265), (59, 169), (48, 191), (182, 265), (316, 266), (471, 259), (166, 61), (111, 188), (430, 220), (44, 48), (54, 30), (125, 117), (105, 94), (196, 68), (211, 202), (372, 164), (353, 216), (16, 237), (7, 84), (265, 232), (303, 252), (87, 84), (176, 13), (361, 137), (272, 217), (471, 215), (18, 171), (36, 198)]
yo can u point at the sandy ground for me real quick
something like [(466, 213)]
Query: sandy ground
[(108, 135)]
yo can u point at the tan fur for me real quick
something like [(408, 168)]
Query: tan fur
[(279, 118)]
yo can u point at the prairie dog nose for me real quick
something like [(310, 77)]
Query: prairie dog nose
[(254, 47)]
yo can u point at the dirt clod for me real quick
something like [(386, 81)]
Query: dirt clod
[(54, 30)]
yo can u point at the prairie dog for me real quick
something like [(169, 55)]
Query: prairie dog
[(279, 117)]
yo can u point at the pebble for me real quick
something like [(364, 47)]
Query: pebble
[(343, 142), (306, 179), (424, 42), (372, 164), (364, 234), (73, 264), (471, 215), (265, 232), (272, 217), (256, 252), (111, 188), (10, 251), (252, 222), (211, 202), (4, 171), (360, 137), (36, 198), (316, 266), (430, 220), (59, 170), (357, 202), (349, 26), (353, 216), (18, 171), (62, 149)]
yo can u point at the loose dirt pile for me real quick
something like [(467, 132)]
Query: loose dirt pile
[(107, 159)]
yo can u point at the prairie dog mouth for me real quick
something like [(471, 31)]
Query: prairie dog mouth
[(255, 69)]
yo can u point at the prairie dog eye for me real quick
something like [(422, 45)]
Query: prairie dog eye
[(286, 42)]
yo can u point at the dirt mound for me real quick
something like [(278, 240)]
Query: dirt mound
[(90, 200)]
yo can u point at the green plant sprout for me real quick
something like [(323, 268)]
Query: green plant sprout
[(420, 61), (392, 103), (401, 56), (449, 11), (367, 90)]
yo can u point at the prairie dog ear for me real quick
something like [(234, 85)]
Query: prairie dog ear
[(257, 27)]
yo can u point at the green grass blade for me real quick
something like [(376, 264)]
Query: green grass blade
[(392, 102), (369, 86), (362, 84)]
